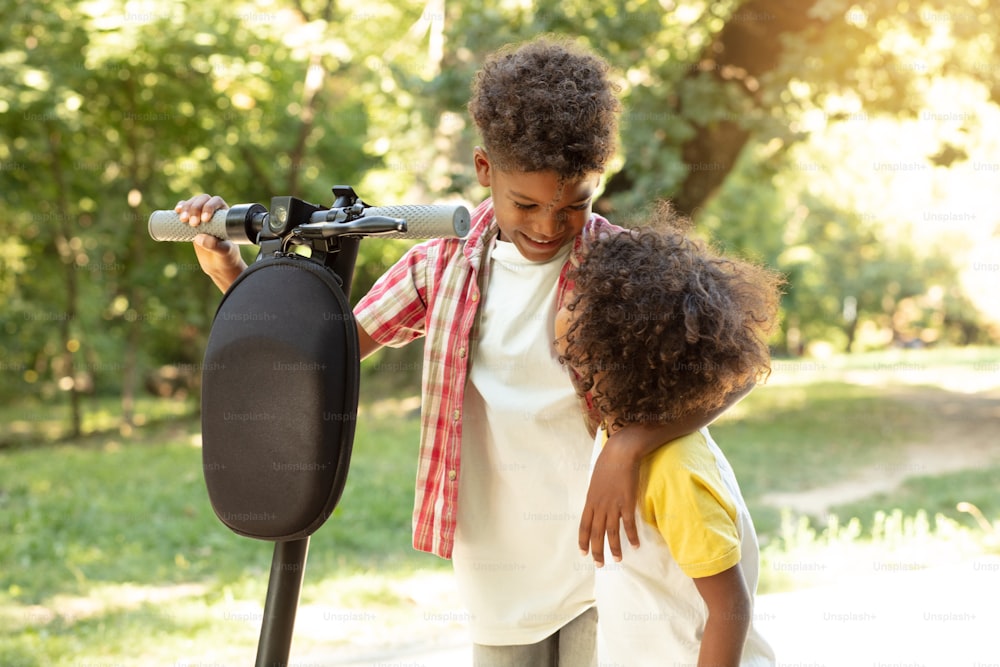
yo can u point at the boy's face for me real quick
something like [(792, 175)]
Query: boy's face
[(536, 211)]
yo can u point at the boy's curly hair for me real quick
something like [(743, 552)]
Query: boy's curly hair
[(668, 324), (546, 105)]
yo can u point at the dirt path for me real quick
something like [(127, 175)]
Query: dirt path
[(963, 434)]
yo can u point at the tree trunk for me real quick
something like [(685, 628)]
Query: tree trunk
[(134, 257), (311, 88), (136, 300), (63, 236), (748, 46), (315, 76), (851, 330)]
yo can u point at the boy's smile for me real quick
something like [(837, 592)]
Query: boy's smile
[(538, 212)]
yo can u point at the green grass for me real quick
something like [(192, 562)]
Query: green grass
[(974, 358), (789, 438), (115, 524), (797, 437), (104, 513), (138, 511), (35, 419), (111, 539), (805, 555), (936, 495), (981, 361)]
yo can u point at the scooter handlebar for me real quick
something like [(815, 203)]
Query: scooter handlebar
[(423, 221)]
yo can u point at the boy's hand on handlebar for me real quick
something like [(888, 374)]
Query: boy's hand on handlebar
[(220, 260), (199, 208)]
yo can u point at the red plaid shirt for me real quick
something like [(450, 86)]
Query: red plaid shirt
[(434, 291)]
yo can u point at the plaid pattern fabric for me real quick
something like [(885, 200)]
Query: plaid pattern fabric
[(435, 291)]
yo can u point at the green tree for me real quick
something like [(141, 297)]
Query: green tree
[(109, 110), (111, 113)]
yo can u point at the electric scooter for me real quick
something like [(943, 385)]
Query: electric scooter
[(280, 374)]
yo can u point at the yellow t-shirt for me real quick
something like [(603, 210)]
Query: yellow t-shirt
[(694, 523), (684, 497)]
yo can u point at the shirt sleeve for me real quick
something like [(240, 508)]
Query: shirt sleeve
[(394, 312), (691, 507)]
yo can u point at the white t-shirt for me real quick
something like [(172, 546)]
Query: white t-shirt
[(525, 465), (692, 522)]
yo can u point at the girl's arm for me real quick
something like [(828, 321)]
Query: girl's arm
[(729, 611), (611, 498)]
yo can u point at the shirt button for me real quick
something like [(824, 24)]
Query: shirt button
[(455, 415), (452, 475), (461, 353), (475, 297)]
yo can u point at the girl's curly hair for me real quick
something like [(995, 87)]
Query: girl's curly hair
[(546, 105), (664, 325)]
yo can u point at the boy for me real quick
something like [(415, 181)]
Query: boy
[(659, 325), (503, 456)]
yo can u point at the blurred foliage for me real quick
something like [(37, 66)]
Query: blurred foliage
[(768, 121)]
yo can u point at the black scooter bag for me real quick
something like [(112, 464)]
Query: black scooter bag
[(279, 399)]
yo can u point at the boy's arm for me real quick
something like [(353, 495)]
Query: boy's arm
[(220, 260), (611, 498), (366, 344), (729, 610)]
